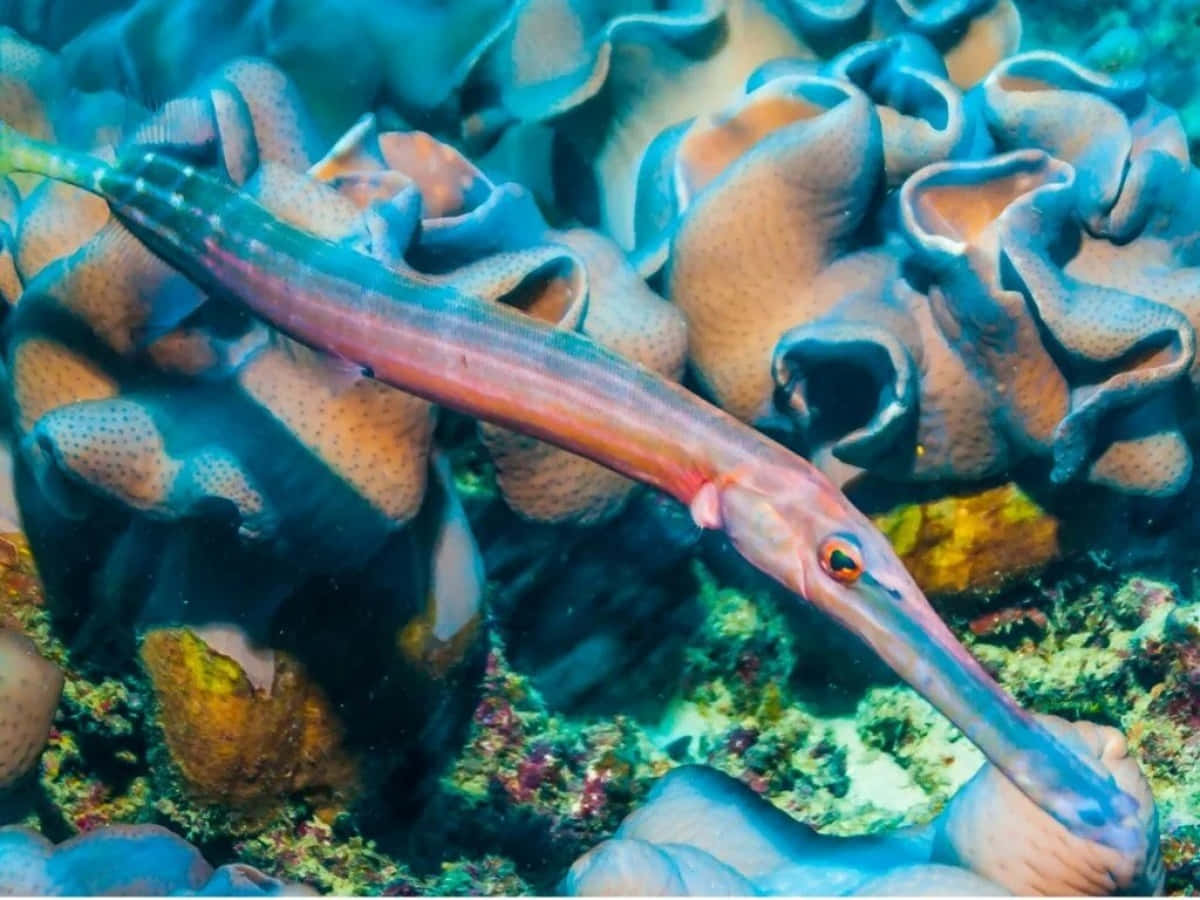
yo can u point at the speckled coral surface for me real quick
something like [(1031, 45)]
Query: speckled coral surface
[(30, 686)]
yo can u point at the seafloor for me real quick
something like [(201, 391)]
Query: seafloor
[(686, 659), (810, 723)]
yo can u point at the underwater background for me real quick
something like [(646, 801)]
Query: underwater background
[(326, 636)]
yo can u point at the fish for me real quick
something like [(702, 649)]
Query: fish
[(428, 337)]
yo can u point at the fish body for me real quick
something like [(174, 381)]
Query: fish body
[(423, 335)]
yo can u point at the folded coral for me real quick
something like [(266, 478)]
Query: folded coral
[(30, 686), (830, 287), (179, 465), (944, 285), (185, 433), (703, 833), (910, 258), (134, 860)]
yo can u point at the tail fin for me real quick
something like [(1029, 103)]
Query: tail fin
[(21, 153)]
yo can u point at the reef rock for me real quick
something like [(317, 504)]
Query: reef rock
[(971, 542)]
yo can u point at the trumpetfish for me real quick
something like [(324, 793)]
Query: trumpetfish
[(494, 363)]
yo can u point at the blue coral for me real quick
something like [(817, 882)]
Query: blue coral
[(134, 860), (702, 833)]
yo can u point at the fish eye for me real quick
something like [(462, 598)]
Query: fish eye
[(841, 559)]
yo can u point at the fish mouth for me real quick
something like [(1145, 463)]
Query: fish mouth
[(902, 628), (851, 386)]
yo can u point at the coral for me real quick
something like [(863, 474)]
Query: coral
[(928, 363), (920, 323), (21, 596), (545, 59), (959, 315), (1116, 37), (972, 542), (757, 251), (975, 34), (572, 783), (525, 793), (107, 431), (991, 801), (121, 292), (740, 709), (243, 745), (736, 721), (656, 80), (30, 687), (91, 768), (136, 860), (1101, 654), (465, 219), (314, 852)]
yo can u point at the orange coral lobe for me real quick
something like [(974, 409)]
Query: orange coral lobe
[(971, 542), (233, 744), (47, 375)]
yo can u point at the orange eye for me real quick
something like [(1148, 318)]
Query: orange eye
[(841, 560)]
